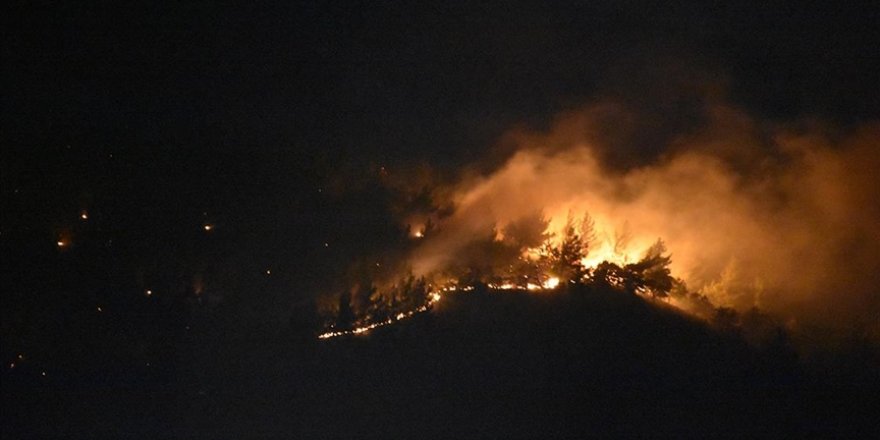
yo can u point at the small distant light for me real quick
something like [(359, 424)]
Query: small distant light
[(20, 357), (84, 215), (208, 227), (148, 364), (61, 243), (11, 365), (149, 292), (326, 244), (43, 374), (268, 271), (419, 234), (100, 309)]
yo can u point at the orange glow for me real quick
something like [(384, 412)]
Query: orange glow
[(64, 238), (433, 298), (208, 227), (754, 215)]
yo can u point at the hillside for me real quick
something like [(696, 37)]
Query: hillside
[(512, 364)]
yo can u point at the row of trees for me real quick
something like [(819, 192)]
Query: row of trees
[(649, 275), (365, 304), (502, 258)]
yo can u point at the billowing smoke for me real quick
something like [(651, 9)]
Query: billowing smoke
[(782, 216)]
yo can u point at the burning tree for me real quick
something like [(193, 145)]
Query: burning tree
[(565, 261), (528, 232), (410, 293), (485, 260), (651, 274)]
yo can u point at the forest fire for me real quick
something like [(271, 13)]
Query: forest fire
[(536, 271), (753, 220), (433, 299)]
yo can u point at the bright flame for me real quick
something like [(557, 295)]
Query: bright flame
[(433, 298), (606, 253)]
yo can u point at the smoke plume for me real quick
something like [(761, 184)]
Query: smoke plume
[(782, 216)]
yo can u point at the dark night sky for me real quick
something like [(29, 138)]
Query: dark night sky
[(393, 79), (158, 119), (204, 106)]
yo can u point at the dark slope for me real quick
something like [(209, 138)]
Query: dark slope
[(518, 365), (563, 364)]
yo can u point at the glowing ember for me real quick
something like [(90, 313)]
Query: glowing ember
[(551, 283)]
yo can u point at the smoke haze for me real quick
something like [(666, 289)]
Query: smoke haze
[(782, 216)]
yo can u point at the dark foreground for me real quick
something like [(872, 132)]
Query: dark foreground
[(480, 365)]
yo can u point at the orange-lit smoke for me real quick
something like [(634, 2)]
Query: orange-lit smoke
[(783, 217)]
